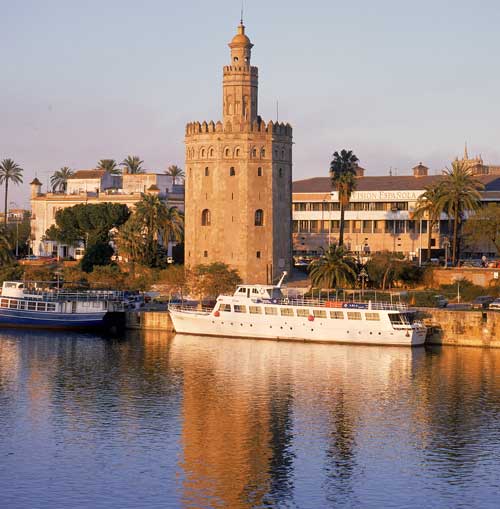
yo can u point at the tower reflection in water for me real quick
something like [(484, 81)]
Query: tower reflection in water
[(264, 421)]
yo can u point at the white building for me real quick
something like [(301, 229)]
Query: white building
[(93, 186)]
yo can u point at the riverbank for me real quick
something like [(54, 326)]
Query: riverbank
[(445, 327)]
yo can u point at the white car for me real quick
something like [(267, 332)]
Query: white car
[(495, 305)]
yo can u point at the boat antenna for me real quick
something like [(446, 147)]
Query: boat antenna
[(283, 276)]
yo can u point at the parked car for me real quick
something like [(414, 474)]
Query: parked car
[(441, 301), (482, 302), (495, 305)]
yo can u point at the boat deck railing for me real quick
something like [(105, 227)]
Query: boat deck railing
[(204, 310), (62, 295), (385, 306)]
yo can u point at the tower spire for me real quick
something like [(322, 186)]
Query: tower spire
[(241, 16), (466, 155)]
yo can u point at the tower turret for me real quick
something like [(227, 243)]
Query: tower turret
[(240, 82)]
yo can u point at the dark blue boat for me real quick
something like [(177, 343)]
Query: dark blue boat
[(55, 308)]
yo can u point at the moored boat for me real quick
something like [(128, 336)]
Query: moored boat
[(263, 311), (38, 306)]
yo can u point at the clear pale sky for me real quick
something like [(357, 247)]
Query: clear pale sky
[(398, 82)]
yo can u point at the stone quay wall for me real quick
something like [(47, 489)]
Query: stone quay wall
[(148, 320), (445, 327), (462, 328)]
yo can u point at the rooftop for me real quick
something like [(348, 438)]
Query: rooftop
[(87, 174), (386, 183)]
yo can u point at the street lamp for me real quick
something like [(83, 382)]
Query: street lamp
[(17, 229), (363, 278), (446, 245)]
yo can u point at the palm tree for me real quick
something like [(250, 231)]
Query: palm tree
[(174, 172), (59, 179), (158, 221), (460, 194), (108, 165), (5, 247), (130, 242), (333, 269), (428, 206), (132, 164), (343, 178), (9, 172)]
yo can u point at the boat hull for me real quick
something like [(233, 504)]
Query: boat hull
[(294, 329), (45, 320)]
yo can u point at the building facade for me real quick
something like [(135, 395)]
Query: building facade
[(92, 187), (239, 180), (379, 216)]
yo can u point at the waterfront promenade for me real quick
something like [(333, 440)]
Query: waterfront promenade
[(156, 420)]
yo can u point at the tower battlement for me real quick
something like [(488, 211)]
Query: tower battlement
[(257, 126)]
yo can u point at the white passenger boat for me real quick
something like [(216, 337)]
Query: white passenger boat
[(263, 311)]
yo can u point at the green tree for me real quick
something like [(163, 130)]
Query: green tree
[(210, 281), (6, 257), (484, 227), (343, 178), (130, 243), (334, 268), (59, 179), (9, 172), (460, 194), (132, 164), (87, 223), (175, 172), (98, 253), (108, 165), (158, 222), (383, 269), (428, 206)]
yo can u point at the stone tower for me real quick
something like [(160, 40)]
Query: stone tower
[(239, 180)]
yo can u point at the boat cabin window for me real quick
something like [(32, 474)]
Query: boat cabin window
[(286, 311), (51, 307), (353, 315), (22, 305), (255, 310), (255, 291), (31, 306), (240, 309), (225, 307), (242, 289), (319, 313), (337, 315), (13, 304), (303, 312), (41, 306), (398, 319), (270, 311), (374, 317), (4, 303)]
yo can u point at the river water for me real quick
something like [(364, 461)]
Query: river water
[(158, 421)]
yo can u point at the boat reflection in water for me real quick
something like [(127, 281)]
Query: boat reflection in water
[(187, 421)]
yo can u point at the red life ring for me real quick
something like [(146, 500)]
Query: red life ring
[(310, 318), (216, 313)]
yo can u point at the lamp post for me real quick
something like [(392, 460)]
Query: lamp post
[(446, 245), (363, 278), (17, 229)]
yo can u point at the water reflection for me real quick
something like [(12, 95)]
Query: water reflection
[(191, 422)]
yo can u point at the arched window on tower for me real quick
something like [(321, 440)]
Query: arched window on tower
[(259, 172), (226, 152), (283, 155), (211, 153), (262, 152), (259, 217), (237, 153), (202, 153), (207, 172), (280, 172), (254, 152), (232, 171), (205, 218)]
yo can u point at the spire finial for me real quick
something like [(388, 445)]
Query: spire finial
[(241, 16)]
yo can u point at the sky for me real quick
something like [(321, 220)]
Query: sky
[(398, 82)]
